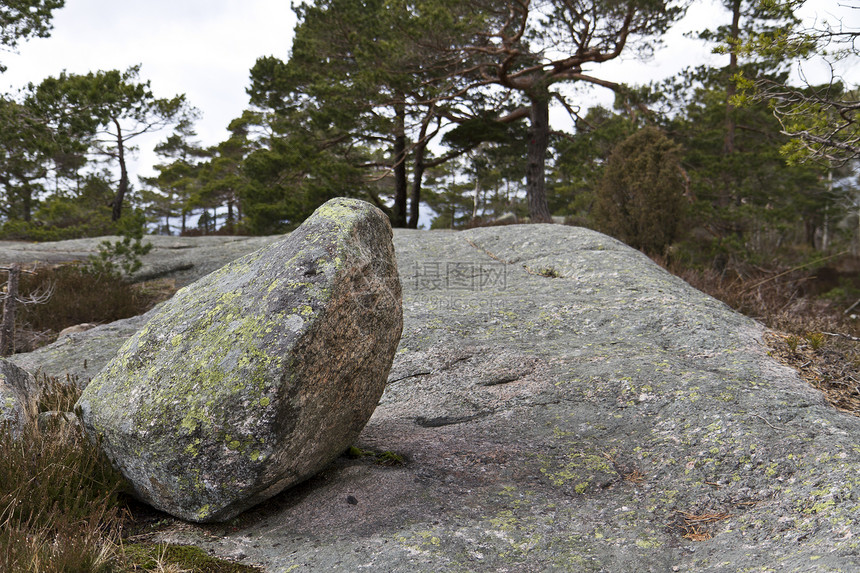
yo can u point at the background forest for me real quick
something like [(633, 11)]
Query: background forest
[(458, 114)]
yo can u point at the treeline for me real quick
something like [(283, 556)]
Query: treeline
[(441, 107), (63, 141)]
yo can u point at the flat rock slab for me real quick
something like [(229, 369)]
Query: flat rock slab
[(184, 259), (80, 356), (257, 376), (609, 419)]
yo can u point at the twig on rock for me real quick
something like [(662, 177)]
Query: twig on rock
[(762, 418)]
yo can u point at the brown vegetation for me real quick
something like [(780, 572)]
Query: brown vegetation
[(79, 295), (62, 507), (58, 495)]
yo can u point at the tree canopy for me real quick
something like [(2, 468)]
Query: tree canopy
[(111, 108), (821, 119), (21, 20)]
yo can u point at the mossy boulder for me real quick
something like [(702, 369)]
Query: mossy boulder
[(258, 375), (16, 388)]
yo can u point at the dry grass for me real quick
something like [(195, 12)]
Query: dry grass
[(58, 495), (698, 527), (829, 363), (61, 506), (80, 295)]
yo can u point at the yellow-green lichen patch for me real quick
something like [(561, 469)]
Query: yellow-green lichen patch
[(193, 449), (576, 469), (648, 543), (341, 213), (189, 423), (243, 444), (203, 512), (274, 285), (419, 542)]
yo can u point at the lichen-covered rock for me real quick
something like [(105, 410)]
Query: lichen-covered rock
[(16, 388), (257, 376), (561, 403)]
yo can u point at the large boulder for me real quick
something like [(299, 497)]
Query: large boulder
[(257, 376), (17, 387)]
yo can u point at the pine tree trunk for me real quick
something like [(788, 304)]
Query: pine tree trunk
[(230, 222), (417, 180), (400, 182), (27, 204), (536, 170), (123, 175), (731, 90)]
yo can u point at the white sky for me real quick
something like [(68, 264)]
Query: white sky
[(202, 48), (205, 48)]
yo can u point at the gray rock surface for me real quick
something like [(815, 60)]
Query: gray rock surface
[(610, 419), (82, 327), (81, 355), (184, 259), (257, 376), (17, 387)]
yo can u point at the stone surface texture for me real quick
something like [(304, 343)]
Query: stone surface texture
[(603, 417), (184, 259), (257, 376), (17, 387), (82, 354)]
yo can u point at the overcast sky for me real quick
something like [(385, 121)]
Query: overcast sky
[(205, 48), (202, 48)]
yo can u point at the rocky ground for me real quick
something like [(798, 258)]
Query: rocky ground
[(557, 402)]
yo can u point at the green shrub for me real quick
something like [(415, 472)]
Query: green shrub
[(17, 230), (816, 340), (122, 258), (640, 199)]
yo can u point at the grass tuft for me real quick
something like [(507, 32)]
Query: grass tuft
[(62, 507), (58, 498), (162, 558)]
